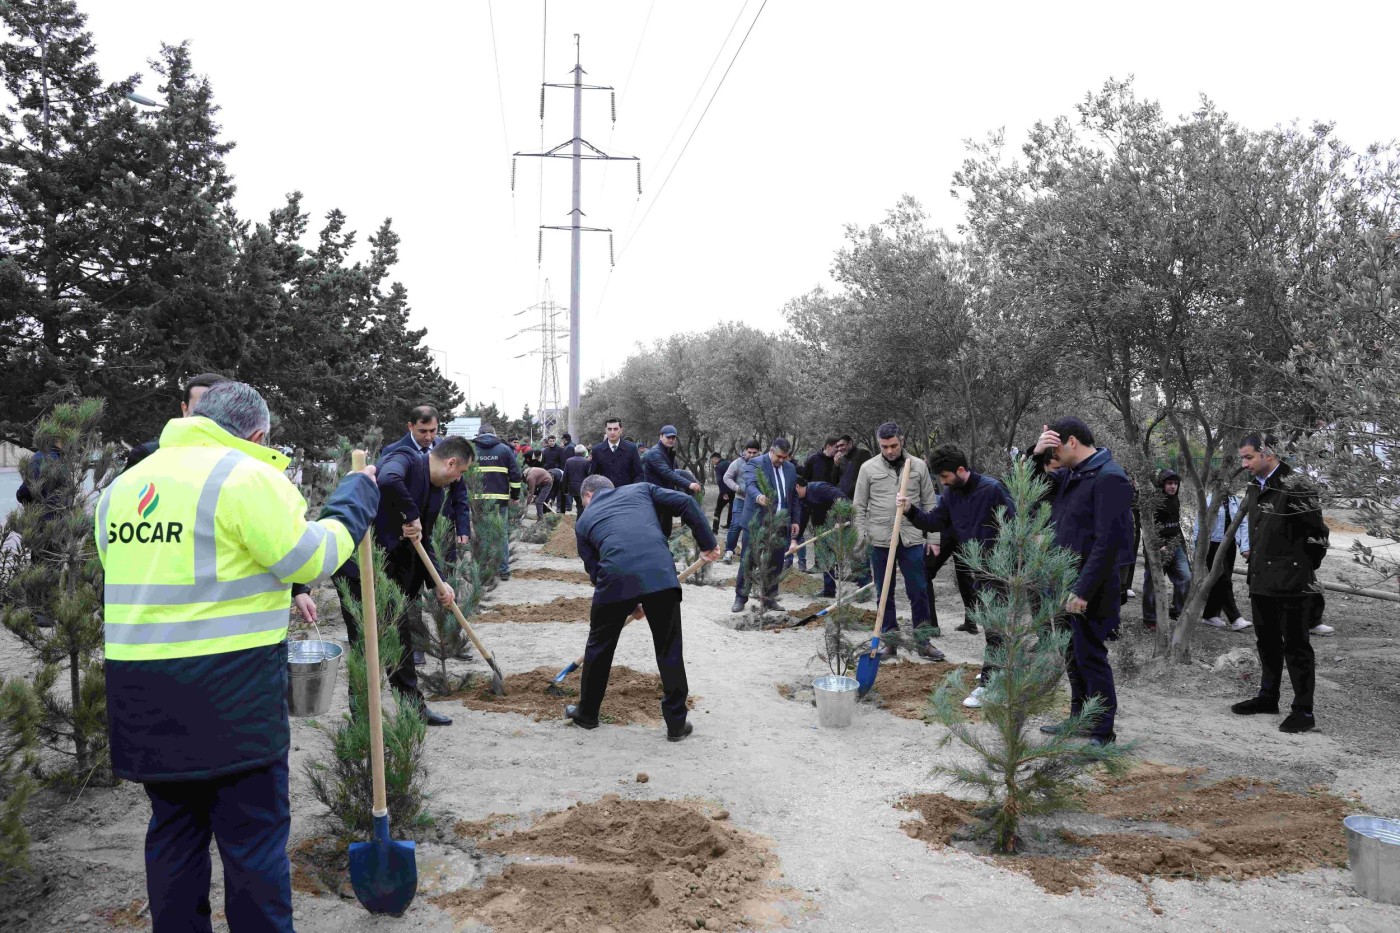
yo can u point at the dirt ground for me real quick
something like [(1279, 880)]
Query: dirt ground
[(824, 803), (559, 609), (632, 697)]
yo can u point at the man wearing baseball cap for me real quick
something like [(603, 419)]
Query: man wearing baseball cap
[(659, 469)]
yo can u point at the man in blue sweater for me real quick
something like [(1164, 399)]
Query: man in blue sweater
[(967, 510), (1091, 504), (634, 576)]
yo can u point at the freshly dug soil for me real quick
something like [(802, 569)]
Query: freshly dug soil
[(903, 687), (548, 573), (865, 618), (560, 609), (562, 543), (632, 697), (1238, 828), (799, 582), (643, 866)]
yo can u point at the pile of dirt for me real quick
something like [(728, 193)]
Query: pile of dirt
[(903, 688), (1165, 822), (644, 866), (799, 582), (560, 609), (865, 618), (321, 865), (554, 576), (632, 697), (562, 542)]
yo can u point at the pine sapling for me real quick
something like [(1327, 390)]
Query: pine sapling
[(20, 718), (840, 555), (1024, 580), (53, 602), (444, 637), (764, 550)]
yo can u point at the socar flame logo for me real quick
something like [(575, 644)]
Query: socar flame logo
[(148, 502)]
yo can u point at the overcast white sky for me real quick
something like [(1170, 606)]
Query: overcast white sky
[(830, 114)]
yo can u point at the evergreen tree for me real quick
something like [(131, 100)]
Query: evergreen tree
[(54, 603), (1027, 579), (841, 555), (765, 538), (20, 717), (444, 637)]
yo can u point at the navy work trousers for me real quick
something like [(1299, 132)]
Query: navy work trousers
[(249, 815), (605, 622), (1086, 662)]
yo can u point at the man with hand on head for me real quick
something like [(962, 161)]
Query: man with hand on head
[(629, 561), (1091, 504)]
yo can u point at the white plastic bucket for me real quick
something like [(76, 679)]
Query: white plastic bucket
[(836, 700)]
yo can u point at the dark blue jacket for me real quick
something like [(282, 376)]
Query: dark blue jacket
[(850, 469), (500, 472), (554, 457), (140, 452), (819, 498), (1287, 536), (458, 507), (244, 693), (620, 540), (968, 511), (819, 468), (575, 472), (624, 467), (659, 469), (1091, 507), (762, 465)]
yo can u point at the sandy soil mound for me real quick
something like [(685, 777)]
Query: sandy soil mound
[(562, 543), (865, 619), (903, 688), (555, 576), (560, 609), (1237, 828), (636, 865), (633, 697)]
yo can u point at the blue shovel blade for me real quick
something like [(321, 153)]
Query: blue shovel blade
[(384, 873), (866, 669)]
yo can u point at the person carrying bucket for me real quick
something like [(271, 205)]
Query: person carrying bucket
[(629, 561), (201, 542)]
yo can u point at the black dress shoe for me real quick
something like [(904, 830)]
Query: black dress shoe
[(571, 712), (1298, 722), (1099, 741), (927, 650), (1254, 705), (969, 627), (680, 733), (432, 718), (738, 604)]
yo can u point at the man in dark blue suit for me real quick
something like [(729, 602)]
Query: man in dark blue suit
[(410, 500), (780, 477), (629, 561), (422, 436), (659, 469), (617, 458)]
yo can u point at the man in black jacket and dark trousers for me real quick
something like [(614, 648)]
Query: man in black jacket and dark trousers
[(629, 561), (617, 458), (1287, 541), (575, 472), (725, 499), (820, 467), (659, 469), (411, 496)]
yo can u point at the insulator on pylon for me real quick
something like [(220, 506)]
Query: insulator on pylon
[(541, 101), (639, 180), (539, 249), (614, 106), (512, 175), (612, 261)]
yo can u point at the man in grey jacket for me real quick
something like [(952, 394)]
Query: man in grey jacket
[(877, 487), (735, 481)]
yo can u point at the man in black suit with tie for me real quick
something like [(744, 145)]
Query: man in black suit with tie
[(616, 458), (775, 472), (422, 436)]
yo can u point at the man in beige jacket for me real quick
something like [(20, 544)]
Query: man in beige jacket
[(877, 486)]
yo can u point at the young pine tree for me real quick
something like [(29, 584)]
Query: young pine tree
[(841, 555), (343, 783), (53, 603), (767, 540), (1026, 580), (490, 531), (20, 717)]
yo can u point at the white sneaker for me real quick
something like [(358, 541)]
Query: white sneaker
[(1214, 622), (974, 699), (1239, 625), (729, 557), (1132, 594), (1321, 629)]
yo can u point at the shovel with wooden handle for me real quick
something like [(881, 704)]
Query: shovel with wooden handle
[(868, 665), (555, 686), (498, 686), (383, 871), (797, 547)]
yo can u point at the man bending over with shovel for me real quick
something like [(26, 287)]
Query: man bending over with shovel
[(628, 560)]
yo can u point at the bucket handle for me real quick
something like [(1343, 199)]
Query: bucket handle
[(319, 640)]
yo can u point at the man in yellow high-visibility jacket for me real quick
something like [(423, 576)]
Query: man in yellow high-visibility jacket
[(201, 542)]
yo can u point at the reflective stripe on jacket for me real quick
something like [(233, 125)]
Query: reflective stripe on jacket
[(500, 472), (201, 542)]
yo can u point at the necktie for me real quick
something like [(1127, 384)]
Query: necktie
[(781, 490)]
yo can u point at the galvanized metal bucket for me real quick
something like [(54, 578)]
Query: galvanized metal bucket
[(1373, 849), (311, 671), (836, 700)]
